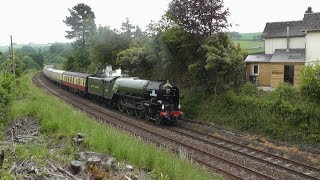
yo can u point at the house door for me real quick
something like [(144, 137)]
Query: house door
[(289, 73)]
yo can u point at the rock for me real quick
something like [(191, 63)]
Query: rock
[(93, 160), (80, 156), (80, 135), (129, 167), (76, 166), (33, 170), (111, 163)]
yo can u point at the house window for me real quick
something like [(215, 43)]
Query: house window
[(255, 69)]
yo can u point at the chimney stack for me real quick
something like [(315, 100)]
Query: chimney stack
[(309, 10)]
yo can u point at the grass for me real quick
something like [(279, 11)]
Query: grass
[(60, 121)]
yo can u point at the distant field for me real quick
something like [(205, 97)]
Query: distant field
[(251, 47), (249, 36)]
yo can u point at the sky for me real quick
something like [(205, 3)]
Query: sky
[(40, 21)]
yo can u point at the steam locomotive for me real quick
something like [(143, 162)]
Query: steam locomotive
[(153, 100)]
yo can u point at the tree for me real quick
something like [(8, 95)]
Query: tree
[(38, 58), (202, 18), (82, 24), (222, 66), (28, 63), (28, 50), (137, 61), (235, 35), (179, 49), (127, 27), (104, 47)]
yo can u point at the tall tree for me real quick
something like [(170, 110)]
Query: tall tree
[(104, 47), (127, 27), (82, 24), (202, 18)]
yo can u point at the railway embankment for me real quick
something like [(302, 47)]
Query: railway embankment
[(59, 124), (283, 119)]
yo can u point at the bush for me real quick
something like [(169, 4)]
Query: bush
[(6, 94), (4, 104), (310, 82), (286, 92)]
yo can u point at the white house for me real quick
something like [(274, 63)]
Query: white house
[(288, 46)]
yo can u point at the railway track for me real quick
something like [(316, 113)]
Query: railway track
[(198, 146), (301, 170)]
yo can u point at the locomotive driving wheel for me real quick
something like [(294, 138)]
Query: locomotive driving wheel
[(129, 109), (158, 119), (139, 112), (121, 106)]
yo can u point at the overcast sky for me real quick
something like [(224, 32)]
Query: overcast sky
[(40, 21)]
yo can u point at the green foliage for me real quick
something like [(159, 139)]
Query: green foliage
[(28, 63), (282, 114), (81, 22), (179, 49), (310, 82), (58, 53), (78, 62), (136, 61), (7, 92), (4, 104), (104, 47), (28, 50), (223, 63)]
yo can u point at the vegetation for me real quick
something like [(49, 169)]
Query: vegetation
[(7, 93), (60, 122), (251, 47), (284, 114), (81, 22), (202, 18), (310, 82)]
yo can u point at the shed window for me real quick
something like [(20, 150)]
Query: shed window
[(255, 69)]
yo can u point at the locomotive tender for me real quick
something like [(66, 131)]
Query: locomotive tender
[(153, 100)]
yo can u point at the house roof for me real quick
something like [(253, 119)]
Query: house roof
[(310, 22), (293, 55), (258, 58)]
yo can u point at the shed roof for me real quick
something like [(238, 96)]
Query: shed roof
[(293, 55), (258, 58)]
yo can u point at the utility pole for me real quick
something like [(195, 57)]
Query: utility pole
[(12, 59)]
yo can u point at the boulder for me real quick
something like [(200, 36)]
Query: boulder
[(76, 166)]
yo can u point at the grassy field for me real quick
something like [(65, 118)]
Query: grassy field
[(250, 42), (249, 36), (61, 122), (251, 47)]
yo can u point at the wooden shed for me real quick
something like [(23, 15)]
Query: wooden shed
[(272, 69)]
